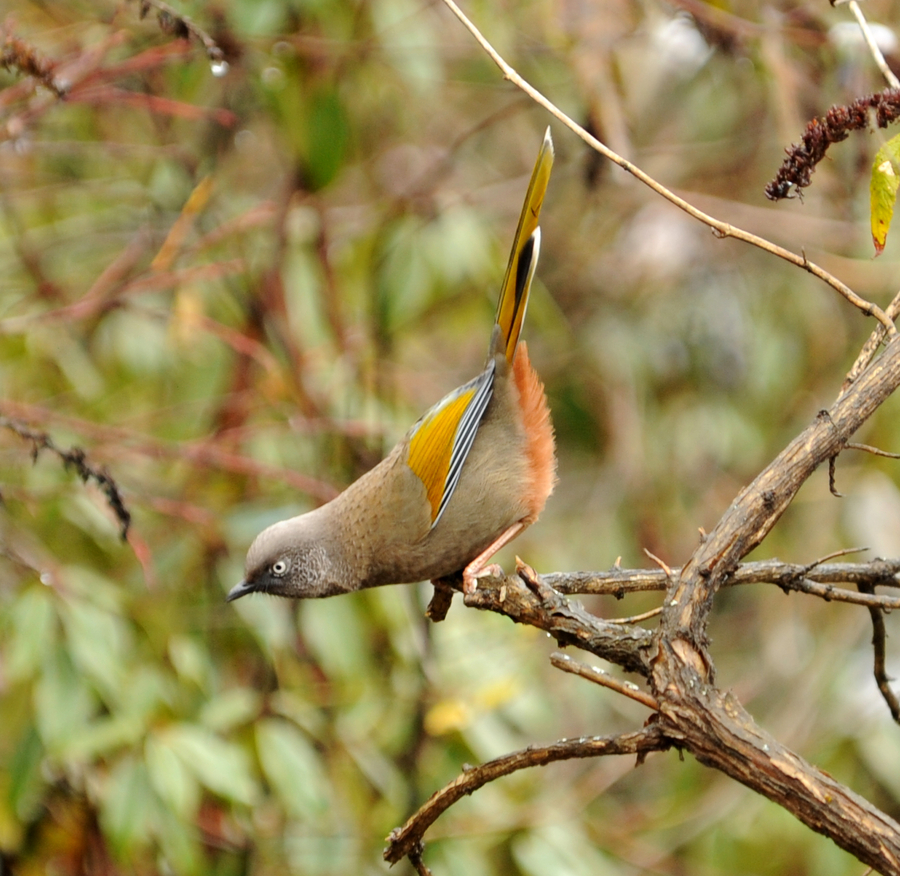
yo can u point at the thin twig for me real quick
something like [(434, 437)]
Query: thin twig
[(721, 229), (875, 51), (635, 618), (75, 458), (661, 563), (415, 858), (871, 345), (852, 445), (603, 678), (878, 645), (179, 25), (841, 552), (204, 451)]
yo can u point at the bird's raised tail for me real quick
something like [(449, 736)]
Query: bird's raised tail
[(523, 258)]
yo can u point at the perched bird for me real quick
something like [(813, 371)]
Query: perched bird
[(468, 477)]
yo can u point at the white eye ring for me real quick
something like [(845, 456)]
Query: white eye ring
[(279, 568)]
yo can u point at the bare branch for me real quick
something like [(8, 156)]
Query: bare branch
[(872, 344), (201, 452), (867, 448), (568, 622), (872, 45), (404, 840), (816, 579), (603, 678)]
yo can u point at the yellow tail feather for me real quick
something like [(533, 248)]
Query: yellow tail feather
[(520, 270)]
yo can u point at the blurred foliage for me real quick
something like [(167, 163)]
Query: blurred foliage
[(236, 291)]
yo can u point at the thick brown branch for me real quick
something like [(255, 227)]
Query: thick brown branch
[(715, 727), (759, 506), (403, 840), (625, 645), (717, 730)]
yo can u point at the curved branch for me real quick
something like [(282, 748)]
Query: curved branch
[(714, 726), (404, 840)]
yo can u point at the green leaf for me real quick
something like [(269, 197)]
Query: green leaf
[(883, 190), (97, 641), (129, 805), (178, 842), (171, 778), (291, 766), (328, 134), (190, 660), (63, 702), (25, 780), (221, 766), (230, 708), (32, 626)]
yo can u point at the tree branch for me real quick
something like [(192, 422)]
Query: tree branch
[(693, 714), (815, 580), (404, 840)]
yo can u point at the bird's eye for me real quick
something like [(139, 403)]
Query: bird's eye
[(279, 567)]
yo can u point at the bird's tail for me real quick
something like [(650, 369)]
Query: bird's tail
[(523, 258)]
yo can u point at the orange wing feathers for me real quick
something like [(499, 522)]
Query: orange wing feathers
[(541, 446)]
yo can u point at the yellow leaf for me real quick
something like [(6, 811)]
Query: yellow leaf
[(883, 191)]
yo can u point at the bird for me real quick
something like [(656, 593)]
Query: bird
[(470, 475)]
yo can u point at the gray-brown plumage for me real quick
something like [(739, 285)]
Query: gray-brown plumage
[(469, 476)]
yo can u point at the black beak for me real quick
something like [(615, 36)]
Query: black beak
[(239, 590)]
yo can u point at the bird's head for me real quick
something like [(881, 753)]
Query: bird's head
[(294, 558)]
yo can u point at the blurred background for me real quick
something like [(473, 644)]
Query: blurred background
[(235, 285)]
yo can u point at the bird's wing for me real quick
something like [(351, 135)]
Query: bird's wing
[(441, 440)]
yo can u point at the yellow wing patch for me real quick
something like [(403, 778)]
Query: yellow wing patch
[(431, 446)]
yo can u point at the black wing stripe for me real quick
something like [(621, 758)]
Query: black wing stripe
[(465, 435)]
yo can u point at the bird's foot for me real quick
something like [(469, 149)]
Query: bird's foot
[(471, 576)]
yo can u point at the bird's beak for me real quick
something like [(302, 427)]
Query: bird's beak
[(239, 590)]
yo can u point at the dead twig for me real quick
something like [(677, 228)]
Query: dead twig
[(180, 26), (879, 635), (74, 458), (604, 679)]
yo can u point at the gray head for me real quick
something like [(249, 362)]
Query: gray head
[(293, 558)]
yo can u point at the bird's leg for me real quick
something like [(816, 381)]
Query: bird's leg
[(479, 568)]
